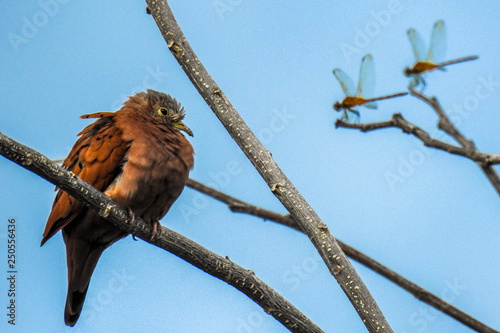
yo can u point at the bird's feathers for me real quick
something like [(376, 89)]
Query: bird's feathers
[(138, 157)]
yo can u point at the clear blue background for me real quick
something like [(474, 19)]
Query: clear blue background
[(437, 225)]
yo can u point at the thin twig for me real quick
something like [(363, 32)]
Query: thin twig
[(317, 231), (444, 122), (414, 289), (466, 149), (239, 206), (446, 125), (398, 121), (222, 268)]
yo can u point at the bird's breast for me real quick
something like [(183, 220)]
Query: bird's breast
[(153, 175)]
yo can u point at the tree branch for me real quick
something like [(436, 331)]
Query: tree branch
[(398, 121), (222, 268), (414, 289), (317, 231), (466, 149), (445, 124), (239, 206)]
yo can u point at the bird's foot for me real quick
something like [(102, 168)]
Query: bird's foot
[(156, 229), (131, 216)]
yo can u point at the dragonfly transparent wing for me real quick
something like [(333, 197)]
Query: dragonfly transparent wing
[(366, 83), (344, 116), (437, 48), (370, 105), (345, 82), (354, 116), (350, 116), (417, 44)]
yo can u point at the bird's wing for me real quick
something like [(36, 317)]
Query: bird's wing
[(97, 157)]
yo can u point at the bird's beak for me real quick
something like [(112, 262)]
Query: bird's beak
[(181, 126)]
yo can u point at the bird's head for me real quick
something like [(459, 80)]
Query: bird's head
[(167, 109)]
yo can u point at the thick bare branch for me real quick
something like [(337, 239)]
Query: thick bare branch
[(414, 289), (317, 231), (223, 268)]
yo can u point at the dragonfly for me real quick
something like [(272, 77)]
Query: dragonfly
[(354, 97), (434, 57)]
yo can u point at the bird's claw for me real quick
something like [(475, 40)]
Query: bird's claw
[(155, 225), (156, 229), (131, 216)]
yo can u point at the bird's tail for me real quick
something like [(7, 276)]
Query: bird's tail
[(82, 258)]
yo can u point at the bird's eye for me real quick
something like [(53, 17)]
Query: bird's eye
[(163, 111)]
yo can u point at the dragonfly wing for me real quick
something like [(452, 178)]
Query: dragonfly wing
[(354, 116), (417, 44), (344, 116), (366, 83), (345, 82), (350, 116), (414, 81), (437, 48), (370, 105)]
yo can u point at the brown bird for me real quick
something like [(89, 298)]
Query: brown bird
[(138, 157)]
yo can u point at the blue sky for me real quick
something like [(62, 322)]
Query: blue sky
[(437, 224)]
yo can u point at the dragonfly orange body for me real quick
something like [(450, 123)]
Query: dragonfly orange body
[(351, 101), (420, 67)]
